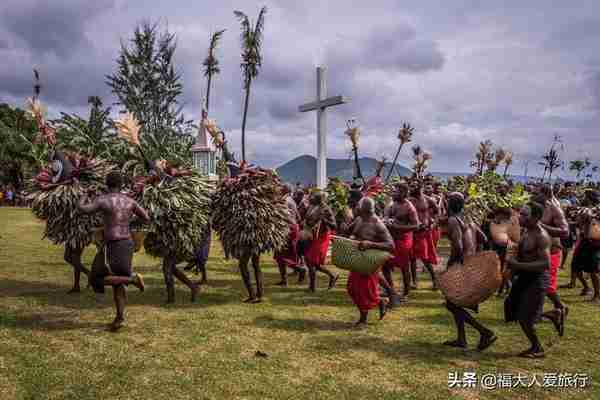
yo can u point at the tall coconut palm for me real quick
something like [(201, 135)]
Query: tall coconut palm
[(251, 59), (405, 136), (483, 155), (211, 64)]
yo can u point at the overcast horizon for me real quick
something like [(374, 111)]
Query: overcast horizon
[(514, 73)]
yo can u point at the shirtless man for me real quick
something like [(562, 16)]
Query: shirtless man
[(62, 170), (371, 233), (437, 213), (464, 242), (555, 223), (288, 257), (112, 264), (321, 221), (530, 269), (423, 247), (402, 220)]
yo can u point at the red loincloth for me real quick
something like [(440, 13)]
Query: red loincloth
[(316, 253), (436, 234), (364, 290), (423, 247), (555, 259), (402, 251), (289, 255)]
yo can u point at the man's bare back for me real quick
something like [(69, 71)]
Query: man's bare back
[(118, 210)]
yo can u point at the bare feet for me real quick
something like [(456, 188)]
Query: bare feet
[(281, 283), (332, 281), (116, 324), (74, 290), (382, 308), (360, 325), (138, 282)]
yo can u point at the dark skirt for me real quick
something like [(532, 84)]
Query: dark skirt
[(586, 257), (202, 252), (114, 258), (525, 301)]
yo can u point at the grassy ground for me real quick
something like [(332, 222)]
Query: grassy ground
[(55, 346)]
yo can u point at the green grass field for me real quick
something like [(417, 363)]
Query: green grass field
[(56, 346)]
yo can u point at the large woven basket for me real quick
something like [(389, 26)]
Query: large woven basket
[(474, 281), (346, 255)]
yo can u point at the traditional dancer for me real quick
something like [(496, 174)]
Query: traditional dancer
[(501, 241), (371, 233), (288, 257), (112, 264), (402, 220), (423, 247), (555, 223), (320, 220), (201, 255), (463, 242), (531, 270), (586, 257)]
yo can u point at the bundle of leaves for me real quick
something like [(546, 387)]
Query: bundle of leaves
[(179, 210), (338, 194), (56, 203), (250, 213), (483, 196)]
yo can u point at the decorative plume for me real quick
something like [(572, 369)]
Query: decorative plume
[(353, 132), (405, 136), (129, 129)]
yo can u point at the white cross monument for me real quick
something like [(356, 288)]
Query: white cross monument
[(320, 105)]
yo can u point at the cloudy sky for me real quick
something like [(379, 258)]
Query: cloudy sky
[(515, 72)]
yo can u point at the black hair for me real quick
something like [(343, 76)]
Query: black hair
[(114, 180), (537, 210), (455, 204)]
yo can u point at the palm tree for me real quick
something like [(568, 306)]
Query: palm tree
[(483, 156), (211, 64), (508, 160), (405, 136), (251, 59)]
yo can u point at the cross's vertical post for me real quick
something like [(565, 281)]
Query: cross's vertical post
[(320, 105), (321, 130)]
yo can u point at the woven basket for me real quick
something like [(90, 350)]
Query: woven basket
[(473, 282), (346, 255)]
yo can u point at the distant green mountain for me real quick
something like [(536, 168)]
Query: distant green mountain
[(303, 169)]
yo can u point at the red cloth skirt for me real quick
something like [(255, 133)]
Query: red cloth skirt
[(555, 259), (364, 290), (423, 247), (402, 252), (289, 255), (436, 234), (316, 253)]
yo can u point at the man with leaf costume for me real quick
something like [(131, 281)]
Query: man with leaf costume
[(178, 201), (55, 192), (250, 215)]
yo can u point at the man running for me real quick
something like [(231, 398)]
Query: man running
[(525, 302), (463, 238), (112, 264)]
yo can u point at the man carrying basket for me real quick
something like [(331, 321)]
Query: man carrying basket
[(463, 242), (371, 233)]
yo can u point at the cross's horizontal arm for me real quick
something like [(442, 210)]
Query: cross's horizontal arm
[(316, 105)]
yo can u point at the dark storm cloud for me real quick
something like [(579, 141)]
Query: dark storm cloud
[(515, 72), (52, 26)]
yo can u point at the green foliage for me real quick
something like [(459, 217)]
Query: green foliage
[(94, 137), (147, 85), (483, 196), (179, 209), (337, 195)]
